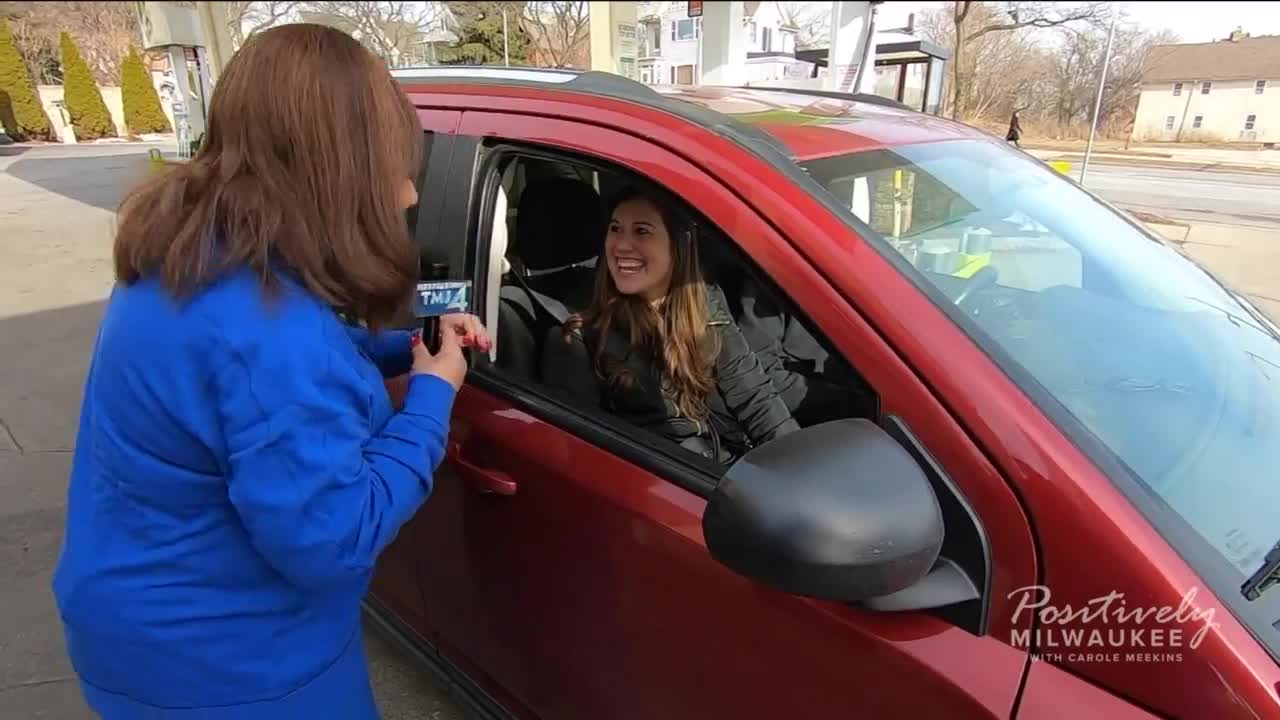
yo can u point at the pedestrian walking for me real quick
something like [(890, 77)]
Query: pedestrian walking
[(239, 465), (1015, 130)]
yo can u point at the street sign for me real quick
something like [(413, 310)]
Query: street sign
[(695, 8)]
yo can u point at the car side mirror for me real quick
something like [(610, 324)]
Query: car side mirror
[(837, 511)]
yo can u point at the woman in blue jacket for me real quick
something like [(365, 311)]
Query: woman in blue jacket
[(239, 465)]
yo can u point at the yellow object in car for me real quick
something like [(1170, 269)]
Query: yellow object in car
[(971, 264)]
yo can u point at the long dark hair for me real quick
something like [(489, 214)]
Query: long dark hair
[(309, 139), (675, 332)]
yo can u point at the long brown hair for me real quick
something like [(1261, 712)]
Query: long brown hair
[(309, 141), (675, 333)]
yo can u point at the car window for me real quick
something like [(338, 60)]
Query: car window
[(950, 231), (549, 274), (548, 267), (1146, 352)]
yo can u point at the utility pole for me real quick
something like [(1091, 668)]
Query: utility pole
[(697, 80), (506, 54), (1102, 83)]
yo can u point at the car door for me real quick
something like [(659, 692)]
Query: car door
[(563, 558), (395, 581)]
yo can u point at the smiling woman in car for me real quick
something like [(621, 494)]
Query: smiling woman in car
[(658, 345)]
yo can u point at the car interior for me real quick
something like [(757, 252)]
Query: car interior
[(542, 268)]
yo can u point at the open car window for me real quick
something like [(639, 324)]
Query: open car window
[(541, 268), (947, 228)]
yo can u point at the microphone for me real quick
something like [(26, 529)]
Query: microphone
[(438, 296)]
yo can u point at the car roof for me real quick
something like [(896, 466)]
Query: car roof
[(796, 124)]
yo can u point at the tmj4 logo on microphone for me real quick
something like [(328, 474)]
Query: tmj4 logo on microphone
[(432, 299)]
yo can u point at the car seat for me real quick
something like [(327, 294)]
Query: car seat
[(560, 225)]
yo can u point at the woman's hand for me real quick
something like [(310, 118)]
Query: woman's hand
[(457, 331)]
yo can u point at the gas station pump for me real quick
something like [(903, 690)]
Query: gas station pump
[(198, 46)]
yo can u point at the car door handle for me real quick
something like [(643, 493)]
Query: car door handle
[(482, 479)]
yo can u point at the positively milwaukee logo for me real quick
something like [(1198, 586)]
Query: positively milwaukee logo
[(1106, 629)]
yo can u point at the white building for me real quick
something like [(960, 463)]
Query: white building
[(1225, 91), (669, 44)]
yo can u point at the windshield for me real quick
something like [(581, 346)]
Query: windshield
[(1170, 371)]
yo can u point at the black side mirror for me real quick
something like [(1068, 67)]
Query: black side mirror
[(838, 511)]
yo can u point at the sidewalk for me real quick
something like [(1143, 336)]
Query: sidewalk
[(1246, 259), (144, 139), (1209, 159)]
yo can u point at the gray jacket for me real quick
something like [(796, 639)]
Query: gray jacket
[(745, 409)]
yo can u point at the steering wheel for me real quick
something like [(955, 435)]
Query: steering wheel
[(984, 278)]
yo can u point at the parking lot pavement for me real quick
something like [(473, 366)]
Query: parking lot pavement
[(56, 207), (1246, 258)]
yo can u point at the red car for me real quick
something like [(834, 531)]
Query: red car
[(1036, 484)]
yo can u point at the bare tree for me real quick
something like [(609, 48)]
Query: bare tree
[(38, 46), (560, 30), (390, 29), (1074, 78), (1006, 70), (1050, 79), (1013, 71), (1124, 77), (103, 31), (245, 19), (811, 20), (969, 26), (1077, 67)]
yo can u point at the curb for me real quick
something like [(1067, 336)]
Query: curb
[(1174, 164), (1079, 151)]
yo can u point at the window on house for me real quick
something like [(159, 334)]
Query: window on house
[(1249, 122), (1259, 87), (686, 29), (1177, 89), (1205, 87), (1197, 122), (766, 40), (1168, 122), (755, 32)]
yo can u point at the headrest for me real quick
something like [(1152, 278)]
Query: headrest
[(560, 222)]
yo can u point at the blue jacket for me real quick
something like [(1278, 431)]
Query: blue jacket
[(238, 469)]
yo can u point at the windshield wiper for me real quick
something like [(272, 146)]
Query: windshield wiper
[(1266, 576)]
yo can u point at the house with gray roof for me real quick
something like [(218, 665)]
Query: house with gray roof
[(1224, 91)]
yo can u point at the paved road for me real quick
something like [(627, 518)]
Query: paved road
[(55, 271), (1244, 199)]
